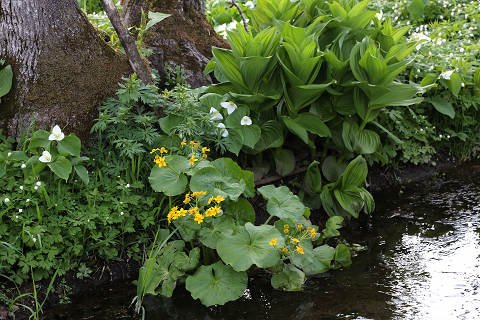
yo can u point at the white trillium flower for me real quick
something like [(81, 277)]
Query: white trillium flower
[(229, 105), (223, 130), (56, 134), (246, 121), (6, 200), (446, 74), (215, 114), (46, 157)]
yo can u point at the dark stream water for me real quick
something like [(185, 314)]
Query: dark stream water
[(422, 262)]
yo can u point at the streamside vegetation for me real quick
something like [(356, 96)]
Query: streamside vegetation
[(256, 172)]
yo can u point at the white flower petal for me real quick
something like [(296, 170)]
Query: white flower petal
[(221, 126), (224, 133), (446, 74), (56, 134), (229, 105), (246, 121), (215, 114), (46, 157)]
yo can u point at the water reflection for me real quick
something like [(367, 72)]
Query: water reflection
[(422, 262)]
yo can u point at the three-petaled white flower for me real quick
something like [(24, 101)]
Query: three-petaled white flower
[(215, 114), (223, 130), (56, 134), (446, 74), (229, 105), (246, 121), (46, 157)]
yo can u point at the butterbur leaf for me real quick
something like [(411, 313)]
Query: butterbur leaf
[(282, 203), (250, 246), (171, 179), (314, 261), (289, 279), (216, 284)]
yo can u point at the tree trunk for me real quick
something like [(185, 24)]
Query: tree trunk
[(62, 69), (185, 39)]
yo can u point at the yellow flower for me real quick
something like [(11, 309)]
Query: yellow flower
[(183, 143), (163, 150), (312, 232), (283, 250), (193, 211), (273, 242), (218, 199), (197, 194), (172, 214), (300, 249), (181, 213), (286, 230), (160, 161), (295, 240), (194, 145), (187, 198), (192, 160), (299, 227), (213, 211), (205, 149), (153, 150), (198, 218)]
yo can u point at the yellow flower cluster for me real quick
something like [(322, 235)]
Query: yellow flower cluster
[(160, 159), (273, 242), (197, 204), (294, 237)]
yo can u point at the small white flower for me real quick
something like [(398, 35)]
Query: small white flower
[(251, 5), (6, 200), (246, 121), (34, 239), (223, 130), (46, 157), (56, 134), (446, 74), (38, 183), (23, 166), (16, 217), (20, 210), (463, 84), (121, 213), (230, 106), (215, 114), (127, 185), (379, 15), (28, 200), (21, 188), (9, 154), (35, 188), (462, 50)]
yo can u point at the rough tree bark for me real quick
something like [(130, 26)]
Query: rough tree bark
[(62, 69), (185, 39)]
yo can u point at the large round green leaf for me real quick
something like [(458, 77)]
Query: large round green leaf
[(289, 279), (282, 203), (314, 261), (242, 211), (214, 182), (250, 246), (230, 168), (216, 284), (209, 236), (171, 179)]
